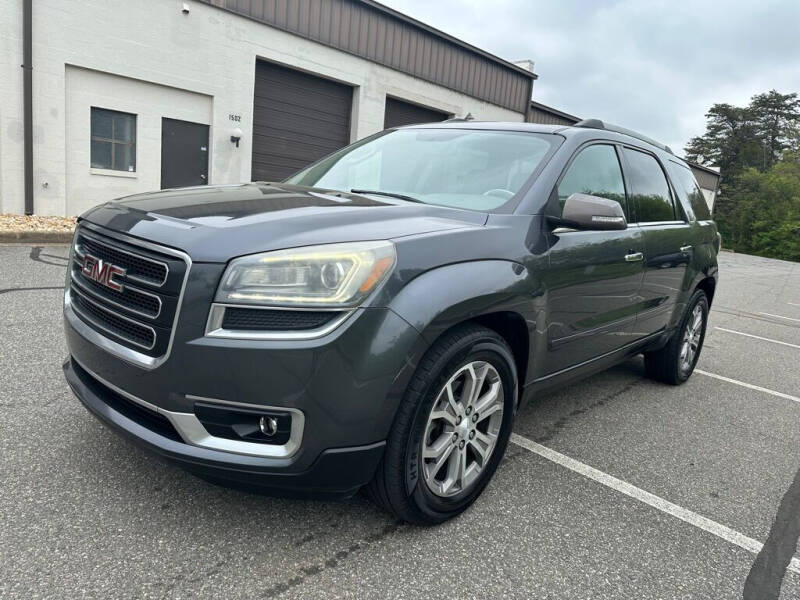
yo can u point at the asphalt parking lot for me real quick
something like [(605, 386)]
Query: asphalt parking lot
[(616, 487)]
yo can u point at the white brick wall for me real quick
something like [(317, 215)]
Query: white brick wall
[(148, 58), (11, 165)]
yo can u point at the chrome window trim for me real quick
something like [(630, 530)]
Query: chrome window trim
[(119, 316), (216, 315), (648, 223), (135, 242), (88, 290), (123, 352), (192, 431)]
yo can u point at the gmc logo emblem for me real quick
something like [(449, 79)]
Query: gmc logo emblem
[(103, 273)]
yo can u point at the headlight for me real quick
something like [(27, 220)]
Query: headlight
[(332, 275)]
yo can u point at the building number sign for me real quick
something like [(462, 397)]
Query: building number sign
[(235, 118)]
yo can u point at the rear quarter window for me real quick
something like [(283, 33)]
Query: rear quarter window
[(688, 190)]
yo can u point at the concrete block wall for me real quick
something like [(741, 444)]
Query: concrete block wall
[(136, 56)]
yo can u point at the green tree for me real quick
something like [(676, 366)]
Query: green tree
[(765, 215), (730, 141), (744, 142), (776, 117)]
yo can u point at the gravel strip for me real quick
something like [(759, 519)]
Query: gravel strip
[(21, 223)]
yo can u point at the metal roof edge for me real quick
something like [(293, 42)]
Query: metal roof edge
[(446, 36)]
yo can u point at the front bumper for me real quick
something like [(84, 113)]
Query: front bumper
[(336, 472), (343, 388)]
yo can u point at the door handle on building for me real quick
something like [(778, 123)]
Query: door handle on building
[(634, 257)]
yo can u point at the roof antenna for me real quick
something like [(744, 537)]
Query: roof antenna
[(469, 117)]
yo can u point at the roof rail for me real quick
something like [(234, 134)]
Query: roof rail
[(598, 124), (465, 119)]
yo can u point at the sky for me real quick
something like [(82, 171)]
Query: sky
[(650, 65)]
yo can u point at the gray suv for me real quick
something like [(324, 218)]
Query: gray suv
[(376, 320)]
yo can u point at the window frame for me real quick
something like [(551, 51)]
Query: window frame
[(113, 141), (688, 208), (553, 202), (677, 206)]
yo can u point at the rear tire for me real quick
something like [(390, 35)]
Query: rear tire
[(439, 427), (675, 362)]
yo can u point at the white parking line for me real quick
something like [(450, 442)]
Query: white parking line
[(665, 506), (793, 303), (758, 337), (750, 386), (780, 317)]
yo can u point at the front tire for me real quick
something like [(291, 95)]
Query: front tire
[(451, 429), (675, 362)]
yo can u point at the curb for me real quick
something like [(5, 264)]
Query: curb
[(36, 237)]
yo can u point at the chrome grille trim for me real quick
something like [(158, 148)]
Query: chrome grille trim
[(111, 346), (115, 314), (216, 315), (134, 242), (87, 290)]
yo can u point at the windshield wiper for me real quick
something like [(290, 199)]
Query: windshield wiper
[(391, 194)]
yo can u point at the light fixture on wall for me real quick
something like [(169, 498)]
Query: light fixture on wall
[(236, 135), (185, 8)]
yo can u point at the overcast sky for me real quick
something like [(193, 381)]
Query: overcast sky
[(654, 66)]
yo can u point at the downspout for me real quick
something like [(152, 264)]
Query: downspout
[(27, 100)]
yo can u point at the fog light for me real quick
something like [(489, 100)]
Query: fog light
[(268, 426)]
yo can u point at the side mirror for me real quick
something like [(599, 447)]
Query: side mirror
[(583, 211)]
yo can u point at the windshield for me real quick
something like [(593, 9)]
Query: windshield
[(464, 168)]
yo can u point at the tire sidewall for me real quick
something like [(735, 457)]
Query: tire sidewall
[(699, 298), (485, 348)]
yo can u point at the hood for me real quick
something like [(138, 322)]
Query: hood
[(216, 223)]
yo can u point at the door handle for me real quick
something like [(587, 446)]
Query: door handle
[(634, 257), (685, 249), (203, 177)]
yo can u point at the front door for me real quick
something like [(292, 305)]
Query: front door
[(666, 240), (594, 276), (184, 153)]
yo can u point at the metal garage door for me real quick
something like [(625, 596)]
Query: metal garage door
[(404, 113), (297, 118)]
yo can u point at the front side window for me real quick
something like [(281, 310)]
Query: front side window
[(113, 140), (465, 168), (649, 188), (687, 187), (595, 171)]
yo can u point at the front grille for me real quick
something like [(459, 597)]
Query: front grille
[(138, 267), (256, 319), (141, 315), (147, 304), (96, 314)]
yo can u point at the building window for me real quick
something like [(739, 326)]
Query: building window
[(113, 140)]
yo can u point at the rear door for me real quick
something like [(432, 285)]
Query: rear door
[(594, 276), (667, 235)]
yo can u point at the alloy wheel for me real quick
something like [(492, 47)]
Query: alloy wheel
[(691, 338), (462, 429)]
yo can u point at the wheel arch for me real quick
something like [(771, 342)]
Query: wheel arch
[(709, 286), (492, 293)]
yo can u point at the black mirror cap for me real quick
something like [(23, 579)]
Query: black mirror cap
[(584, 211)]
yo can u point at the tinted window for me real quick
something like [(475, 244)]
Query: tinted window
[(594, 171), (113, 144), (687, 189), (648, 187)]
